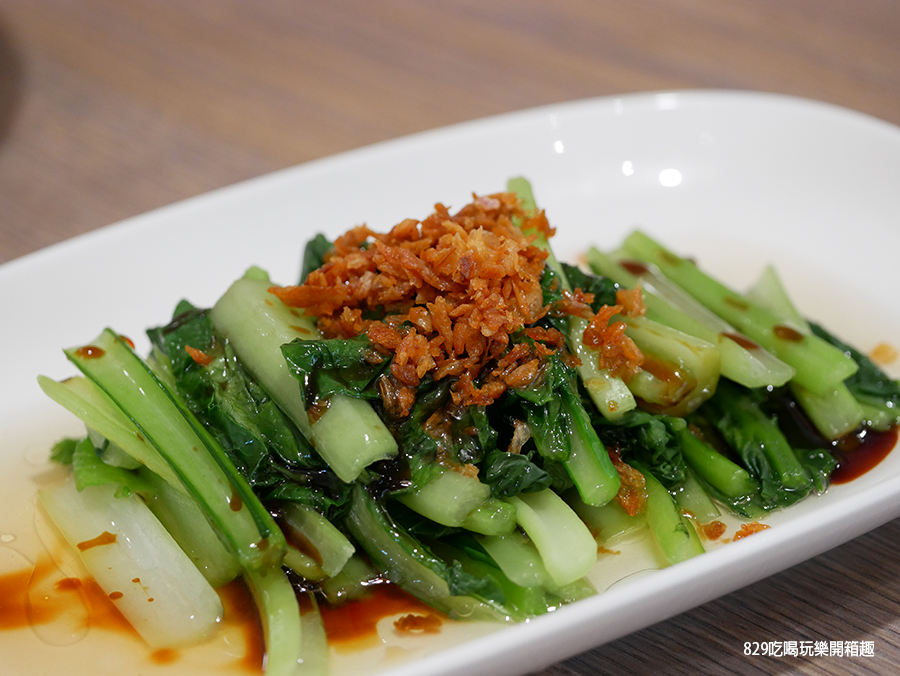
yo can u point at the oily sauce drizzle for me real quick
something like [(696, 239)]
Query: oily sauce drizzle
[(357, 620), (240, 610), (346, 624), (857, 454), (17, 611)]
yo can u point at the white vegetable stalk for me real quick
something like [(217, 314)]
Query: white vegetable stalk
[(136, 562), (279, 612), (314, 642), (448, 498), (518, 559), (566, 546)]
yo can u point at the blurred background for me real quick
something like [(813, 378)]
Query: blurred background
[(109, 109)]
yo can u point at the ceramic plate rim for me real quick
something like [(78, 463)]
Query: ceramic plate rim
[(532, 643)]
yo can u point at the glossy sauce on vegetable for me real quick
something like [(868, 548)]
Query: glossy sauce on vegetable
[(787, 333), (743, 341), (235, 503), (634, 267), (89, 352), (105, 538)]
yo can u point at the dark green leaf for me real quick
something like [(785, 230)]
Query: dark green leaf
[(63, 450), (649, 439), (738, 414), (254, 432), (550, 428), (869, 384), (331, 505), (603, 288), (464, 584), (819, 463), (511, 473), (336, 366), (417, 525), (314, 255)]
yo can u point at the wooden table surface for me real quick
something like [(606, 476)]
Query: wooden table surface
[(109, 109)]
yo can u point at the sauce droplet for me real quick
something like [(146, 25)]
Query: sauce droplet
[(317, 409), (235, 501), (89, 352), (743, 341), (738, 303), (68, 584), (115, 596), (787, 333), (105, 538), (164, 656), (634, 267), (884, 354)]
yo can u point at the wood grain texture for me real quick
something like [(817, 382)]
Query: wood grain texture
[(108, 109), (851, 593)]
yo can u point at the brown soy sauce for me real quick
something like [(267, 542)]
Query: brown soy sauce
[(856, 453)]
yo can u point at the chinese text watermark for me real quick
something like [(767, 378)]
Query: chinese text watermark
[(810, 648)]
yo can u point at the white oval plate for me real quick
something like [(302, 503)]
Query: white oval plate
[(736, 180)]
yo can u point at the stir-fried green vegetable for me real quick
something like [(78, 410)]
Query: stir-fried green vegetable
[(640, 397)]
